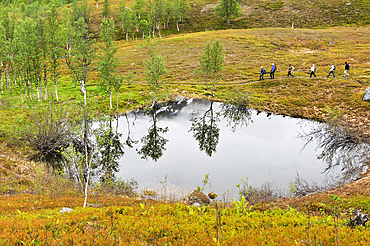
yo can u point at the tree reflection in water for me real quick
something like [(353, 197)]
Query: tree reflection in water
[(236, 116), (110, 147), (206, 131), (129, 141), (341, 146), (153, 142)]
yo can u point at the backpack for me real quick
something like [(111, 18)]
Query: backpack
[(334, 67), (275, 68)]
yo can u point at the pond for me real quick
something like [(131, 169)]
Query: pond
[(181, 142)]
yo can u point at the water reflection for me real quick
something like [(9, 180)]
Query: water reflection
[(341, 147), (206, 131), (236, 116), (130, 142), (187, 139), (153, 143), (110, 148)]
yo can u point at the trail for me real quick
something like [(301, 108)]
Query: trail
[(249, 81), (252, 81)]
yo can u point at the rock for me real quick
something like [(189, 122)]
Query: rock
[(367, 95), (92, 205), (198, 197), (359, 219), (68, 210), (197, 205), (212, 195)]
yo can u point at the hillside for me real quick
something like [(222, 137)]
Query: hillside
[(262, 14)]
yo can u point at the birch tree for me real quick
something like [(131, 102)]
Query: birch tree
[(212, 60), (2, 54), (157, 10), (7, 24), (79, 165), (181, 10), (55, 36), (155, 68), (139, 7), (124, 18), (83, 53), (132, 24), (217, 61), (205, 61), (109, 61), (43, 47)]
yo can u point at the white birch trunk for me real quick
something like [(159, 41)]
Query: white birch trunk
[(88, 170), (7, 80), (2, 90), (20, 87), (56, 90), (110, 97), (159, 31), (46, 90), (38, 92), (117, 100), (83, 89), (40, 87), (15, 80)]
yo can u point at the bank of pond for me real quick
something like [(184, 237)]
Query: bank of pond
[(187, 144)]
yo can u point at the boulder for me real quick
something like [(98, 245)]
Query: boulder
[(64, 210), (212, 195), (359, 219), (367, 95), (198, 197)]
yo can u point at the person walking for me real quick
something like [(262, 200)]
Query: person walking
[(263, 71), (346, 68), (332, 69), (272, 73), (313, 69), (290, 69)]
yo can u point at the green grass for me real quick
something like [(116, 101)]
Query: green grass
[(245, 51)]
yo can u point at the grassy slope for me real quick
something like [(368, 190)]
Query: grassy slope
[(245, 51), (262, 14)]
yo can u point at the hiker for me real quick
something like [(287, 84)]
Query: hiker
[(290, 69), (263, 71), (332, 68), (313, 69), (273, 69), (346, 68)]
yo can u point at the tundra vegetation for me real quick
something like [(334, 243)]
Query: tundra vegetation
[(47, 48)]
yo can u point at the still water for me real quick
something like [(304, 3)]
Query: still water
[(190, 138)]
